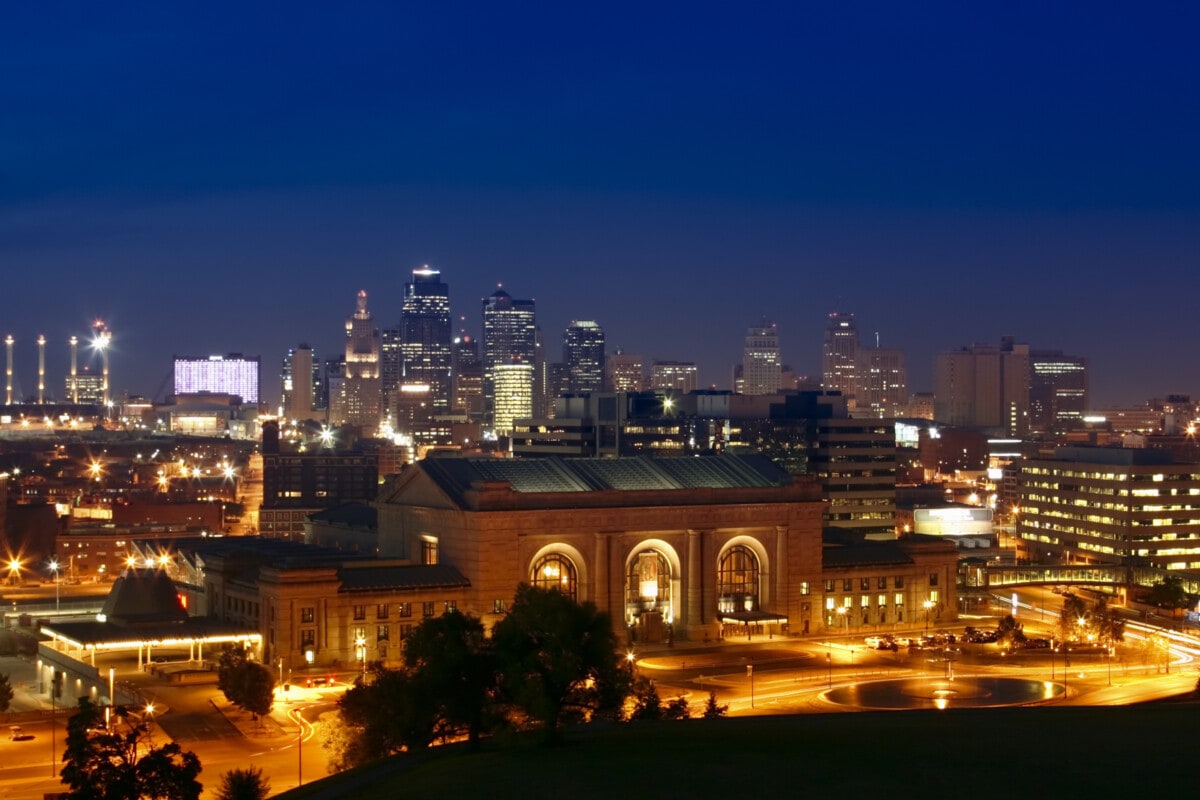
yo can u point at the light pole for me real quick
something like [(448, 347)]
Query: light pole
[(928, 604), (54, 569), (362, 658)]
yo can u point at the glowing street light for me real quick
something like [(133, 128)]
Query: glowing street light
[(14, 571), (928, 604), (54, 569)]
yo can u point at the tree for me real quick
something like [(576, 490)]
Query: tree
[(558, 659), (244, 784), (1009, 632), (1109, 627), (247, 684), (123, 763), (6, 694), (677, 709), (390, 714), (1168, 593), (1073, 610), (647, 704), (451, 659), (712, 710)]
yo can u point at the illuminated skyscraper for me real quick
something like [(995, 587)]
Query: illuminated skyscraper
[(882, 380), (513, 386), (425, 336), (984, 386), (680, 376), (839, 356), (301, 382), (360, 397), (1058, 390), (468, 377), (624, 372), (509, 337), (760, 360), (583, 353)]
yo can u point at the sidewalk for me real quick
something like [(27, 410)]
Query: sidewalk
[(22, 676)]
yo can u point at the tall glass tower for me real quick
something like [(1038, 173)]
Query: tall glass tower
[(761, 366), (583, 353), (839, 355), (509, 337), (425, 355)]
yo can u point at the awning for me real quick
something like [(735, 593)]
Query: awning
[(753, 617)]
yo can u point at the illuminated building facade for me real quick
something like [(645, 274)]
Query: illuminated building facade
[(513, 394), (359, 400), (839, 356), (882, 382), (1058, 391), (425, 347), (984, 386), (233, 374), (1102, 505), (679, 376), (624, 372), (583, 355), (301, 378), (509, 337), (467, 377), (761, 362)]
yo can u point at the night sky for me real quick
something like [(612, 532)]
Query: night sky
[(224, 177)]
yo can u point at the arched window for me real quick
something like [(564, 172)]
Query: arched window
[(737, 580), (555, 571), (648, 582)]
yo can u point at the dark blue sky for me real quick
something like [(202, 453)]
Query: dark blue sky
[(217, 177)]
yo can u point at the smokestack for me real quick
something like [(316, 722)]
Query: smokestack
[(8, 370), (74, 370), (41, 370)]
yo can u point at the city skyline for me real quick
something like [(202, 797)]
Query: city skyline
[(949, 177)]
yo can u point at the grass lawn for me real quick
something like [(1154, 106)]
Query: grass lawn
[(1070, 752)]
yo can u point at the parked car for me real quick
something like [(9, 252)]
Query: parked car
[(885, 642)]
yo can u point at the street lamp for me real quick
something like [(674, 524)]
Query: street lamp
[(928, 604), (362, 657), (14, 571), (54, 569)]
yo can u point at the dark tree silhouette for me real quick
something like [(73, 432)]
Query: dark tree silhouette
[(451, 659)]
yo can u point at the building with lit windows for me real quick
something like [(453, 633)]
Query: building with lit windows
[(839, 356), (358, 400), (687, 547), (1108, 505), (510, 336), (761, 362), (624, 372), (467, 377), (881, 382), (583, 355), (301, 377), (984, 386), (233, 374), (425, 348), (1058, 391), (512, 394), (678, 376)]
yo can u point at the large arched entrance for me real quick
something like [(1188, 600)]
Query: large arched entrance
[(740, 594), (556, 571), (651, 578)]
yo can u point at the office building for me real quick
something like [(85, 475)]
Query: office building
[(676, 376), (881, 382), (984, 386), (513, 395), (510, 336), (467, 377), (1058, 391), (301, 383), (583, 355), (760, 360), (624, 372), (839, 356), (1108, 505), (425, 347), (233, 374)]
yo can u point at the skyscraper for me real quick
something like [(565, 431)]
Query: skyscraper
[(232, 374), (680, 376), (360, 399), (301, 382), (513, 387), (984, 386), (425, 336), (509, 337), (583, 353), (839, 355), (1058, 390), (882, 381), (760, 360), (468, 377)]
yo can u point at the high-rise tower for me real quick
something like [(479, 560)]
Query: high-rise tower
[(359, 399), (583, 353), (760, 360), (509, 337), (839, 356), (468, 377), (425, 336), (301, 382)]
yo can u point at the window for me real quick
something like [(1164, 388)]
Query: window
[(381, 611), (829, 585), (848, 585), (737, 580), (497, 606), (451, 605), (406, 630), (308, 637), (864, 584), (427, 610), (404, 609), (360, 612), (429, 550), (899, 581), (381, 633), (308, 614), (933, 579), (881, 583), (804, 588), (360, 633), (555, 571), (383, 651)]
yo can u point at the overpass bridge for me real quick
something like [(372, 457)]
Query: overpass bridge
[(1000, 576)]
